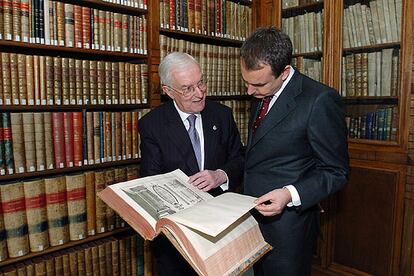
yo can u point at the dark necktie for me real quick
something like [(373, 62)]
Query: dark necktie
[(195, 140), (262, 112)]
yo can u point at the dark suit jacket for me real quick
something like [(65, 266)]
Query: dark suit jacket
[(166, 146), (302, 141)]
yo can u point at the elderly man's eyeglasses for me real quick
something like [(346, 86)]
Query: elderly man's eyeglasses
[(188, 91)]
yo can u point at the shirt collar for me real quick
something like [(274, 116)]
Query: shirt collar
[(184, 115)]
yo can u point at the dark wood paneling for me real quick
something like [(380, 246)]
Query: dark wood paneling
[(367, 232)]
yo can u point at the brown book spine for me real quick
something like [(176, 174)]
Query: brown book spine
[(16, 11), (110, 214), (132, 83), (80, 254), (3, 237), (14, 79), (128, 135), (57, 211), (30, 79), (16, 120), (128, 255), (42, 81), (144, 83), (39, 266), (35, 200), (65, 81), (113, 135), (78, 26), (102, 258), (58, 264), (69, 32), (95, 259), (50, 266), (138, 84), (101, 82), (134, 132), (57, 76), (8, 19), (115, 82), (73, 262), (90, 203), (121, 80), (122, 257), (50, 83), (79, 81), (48, 128), (97, 124), (108, 257), (86, 27), (123, 135), (117, 32), (135, 247), (5, 79), (115, 257), (58, 139), (100, 205), (96, 29), (88, 261), (76, 201), (14, 216), (108, 83), (66, 264), (85, 82), (29, 141), (93, 81), (72, 81), (132, 172), (125, 28), (77, 139), (22, 79)]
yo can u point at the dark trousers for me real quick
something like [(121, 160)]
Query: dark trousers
[(168, 260)]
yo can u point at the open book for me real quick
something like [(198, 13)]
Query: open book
[(216, 235)]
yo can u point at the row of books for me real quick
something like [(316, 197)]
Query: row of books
[(380, 124), (376, 23), (220, 65), (306, 31), (241, 113), (296, 3), (40, 213), (46, 80), (53, 140), (221, 18), (141, 4), (56, 23), (109, 256), (310, 67), (371, 74)]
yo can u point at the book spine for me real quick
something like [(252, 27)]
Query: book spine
[(102, 258), (57, 78), (65, 81), (29, 141), (80, 254), (30, 79), (68, 138), (72, 81), (115, 257), (3, 237), (57, 212), (14, 216), (14, 79), (110, 214), (77, 139), (22, 79), (108, 258), (18, 142), (78, 26), (49, 144), (58, 139), (85, 82), (76, 201), (100, 205), (79, 79), (35, 200), (86, 27), (90, 202), (6, 78)]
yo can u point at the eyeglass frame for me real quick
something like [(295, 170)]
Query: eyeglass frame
[(187, 94)]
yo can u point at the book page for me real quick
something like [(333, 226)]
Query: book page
[(215, 215), (155, 197)]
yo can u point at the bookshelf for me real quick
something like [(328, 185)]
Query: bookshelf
[(74, 82), (374, 212)]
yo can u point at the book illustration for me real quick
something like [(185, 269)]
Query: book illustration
[(160, 200)]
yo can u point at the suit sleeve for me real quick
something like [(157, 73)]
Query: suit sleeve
[(327, 135), (151, 163), (235, 161)]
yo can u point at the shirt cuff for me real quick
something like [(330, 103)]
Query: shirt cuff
[(295, 196), (225, 185)]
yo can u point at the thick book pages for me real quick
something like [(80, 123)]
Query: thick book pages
[(216, 235)]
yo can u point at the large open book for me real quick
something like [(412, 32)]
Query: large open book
[(216, 235)]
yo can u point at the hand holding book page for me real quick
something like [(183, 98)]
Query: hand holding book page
[(216, 235)]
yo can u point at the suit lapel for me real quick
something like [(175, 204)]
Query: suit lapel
[(282, 107), (211, 128), (178, 135)]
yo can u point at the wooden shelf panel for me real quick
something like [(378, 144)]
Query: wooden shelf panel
[(372, 48), (107, 6), (302, 9), (51, 108), (312, 55), (51, 172), (123, 231), (50, 50), (165, 98), (199, 38)]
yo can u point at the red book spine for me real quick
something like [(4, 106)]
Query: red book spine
[(77, 10), (86, 27), (172, 14), (68, 137), (77, 139), (58, 139)]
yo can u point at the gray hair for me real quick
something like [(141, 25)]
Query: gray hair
[(174, 61)]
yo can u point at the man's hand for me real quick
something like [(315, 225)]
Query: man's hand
[(207, 180), (273, 202)]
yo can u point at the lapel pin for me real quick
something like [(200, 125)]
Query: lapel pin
[(214, 127)]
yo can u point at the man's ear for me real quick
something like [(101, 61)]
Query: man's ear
[(168, 91)]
